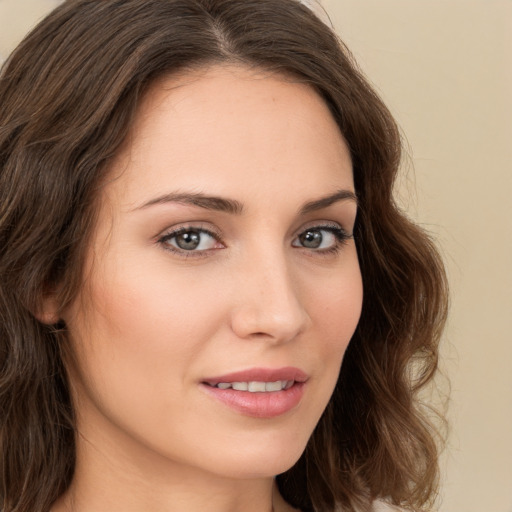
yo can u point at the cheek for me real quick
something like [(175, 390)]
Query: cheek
[(138, 331), (334, 309), (143, 317), (136, 344), (335, 306)]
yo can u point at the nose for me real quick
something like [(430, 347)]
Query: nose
[(268, 303)]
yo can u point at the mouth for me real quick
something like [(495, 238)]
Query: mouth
[(256, 386), (260, 393)]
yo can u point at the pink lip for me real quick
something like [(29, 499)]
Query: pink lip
[(268, 404), (260, 375)]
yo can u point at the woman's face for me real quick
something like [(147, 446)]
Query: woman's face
[(222, 284)]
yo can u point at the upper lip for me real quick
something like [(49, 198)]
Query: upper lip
[(260, 375)]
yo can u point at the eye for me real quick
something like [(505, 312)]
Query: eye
[(190, 240), (321, 238)]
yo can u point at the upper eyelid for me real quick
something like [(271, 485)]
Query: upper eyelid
[(324, 225), (339, 231), (174, 231), (192, 226)]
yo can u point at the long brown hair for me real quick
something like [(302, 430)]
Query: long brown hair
[(68, 95)]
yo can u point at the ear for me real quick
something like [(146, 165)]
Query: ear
[(48, 310)]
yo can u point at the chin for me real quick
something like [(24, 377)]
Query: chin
[(261, 459)]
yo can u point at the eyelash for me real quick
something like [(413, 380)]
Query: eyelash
[(163, 241), (339, 233)]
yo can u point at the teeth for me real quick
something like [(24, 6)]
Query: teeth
[(257, 387), (275, 386)]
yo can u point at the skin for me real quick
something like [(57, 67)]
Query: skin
[(152, 323)]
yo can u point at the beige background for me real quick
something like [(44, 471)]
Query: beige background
[(445, 69)]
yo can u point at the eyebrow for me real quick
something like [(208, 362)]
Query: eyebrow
[(324, 202), (198, 199), (235, 207)]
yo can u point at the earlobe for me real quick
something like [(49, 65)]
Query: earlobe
[(48, 310)]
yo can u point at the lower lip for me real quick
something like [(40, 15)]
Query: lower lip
[(260, 404)]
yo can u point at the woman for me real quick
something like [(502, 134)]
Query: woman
[(193, 195)]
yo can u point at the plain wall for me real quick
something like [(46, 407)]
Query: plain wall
[(444, 67)]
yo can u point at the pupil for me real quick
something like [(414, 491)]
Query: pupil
[(189, 240), (311, 239)]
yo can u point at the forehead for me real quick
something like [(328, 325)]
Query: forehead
[(230, 129)]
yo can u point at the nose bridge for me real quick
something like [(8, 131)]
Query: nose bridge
[(269, 302)]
